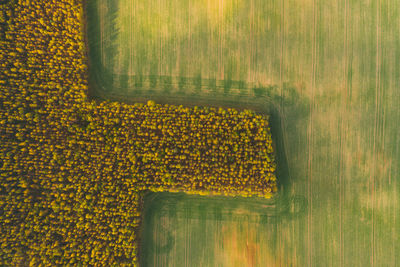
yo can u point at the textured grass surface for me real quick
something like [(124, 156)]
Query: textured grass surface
[(336, 67), (189, 230)]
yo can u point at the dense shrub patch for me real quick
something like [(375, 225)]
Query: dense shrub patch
[(72, 168)]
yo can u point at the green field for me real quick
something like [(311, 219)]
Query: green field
[(189, 230), (332, 70)]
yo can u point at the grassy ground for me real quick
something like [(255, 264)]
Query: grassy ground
[(335, 66), (190, 230)]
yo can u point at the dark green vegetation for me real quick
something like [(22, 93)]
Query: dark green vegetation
[(334, 69)]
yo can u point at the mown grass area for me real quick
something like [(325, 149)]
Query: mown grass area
[(191, 230)]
